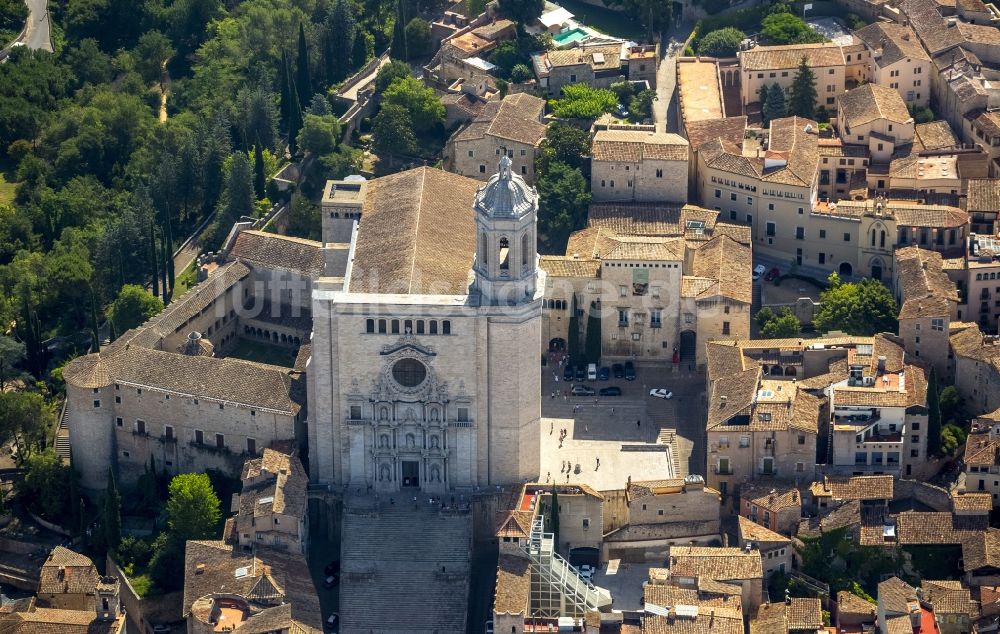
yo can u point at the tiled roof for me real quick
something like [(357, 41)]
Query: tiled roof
[(651, 219), (930, 26), (724, 358), (936, 135), (789, 56), (983, 195), (979, 33), (638, 489), (938, 216), (773, 497), (628, 146), (949, 597), (709, 593), (850, 603), (513, 585), (515, 524), (517, 118), (602, 57), (898, 625), (795, 137), (282, 491), (981, 550), (972, 501), (731, 129), (709, 619), (720, 564), (981, 450), (791, 616), (923, 528), (729, 263), (653, 249), (568, 266), (67, 572), (871, 102), (895, 41), (875, 487), (53, 621), (274, 251), (418, 234), (914, 393), (750, 531), (894, 594), (922, 277), (969, 342)]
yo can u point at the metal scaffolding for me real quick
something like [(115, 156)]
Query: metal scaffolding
[(557, 589)]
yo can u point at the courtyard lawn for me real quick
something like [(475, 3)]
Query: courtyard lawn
[(184, 281), (7, 184), (263, 353), (607, 21)]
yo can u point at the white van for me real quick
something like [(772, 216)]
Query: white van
[(592, 372)]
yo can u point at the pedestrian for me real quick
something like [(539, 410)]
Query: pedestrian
[(638, 423), (548, 475), (567, 476), (598, 464), (552, 394), (612, 411), (552, 427)]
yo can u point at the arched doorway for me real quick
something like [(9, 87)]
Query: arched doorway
[(845, 269), (688, 346), (557, 344), (877, 269)]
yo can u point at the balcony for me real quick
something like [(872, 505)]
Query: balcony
[(719, 470)]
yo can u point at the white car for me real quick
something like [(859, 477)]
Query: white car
[(758, 271), (586, 572), (661, 393)]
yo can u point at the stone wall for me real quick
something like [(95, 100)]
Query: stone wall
[(144, 613), (933, 496), (615, 510)]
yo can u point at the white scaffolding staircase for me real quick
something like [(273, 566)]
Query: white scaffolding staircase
[(557, 589)]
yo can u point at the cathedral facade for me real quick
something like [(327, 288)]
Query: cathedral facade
[(425, 372)]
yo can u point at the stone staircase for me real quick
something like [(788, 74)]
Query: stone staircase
[(62, 435), (404, 568)]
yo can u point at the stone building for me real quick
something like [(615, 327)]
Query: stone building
[(775, 549), (928, 304), (513, 124), (689, 604), (874, 116), (976, 362), (627, 165), (271, 508), (776, 506), (597, 65), (897, 60), (70, 581), (424, 370), (982, 456), (794, 615), (982, 201), (836, 69), (663, 279), (733, 566)]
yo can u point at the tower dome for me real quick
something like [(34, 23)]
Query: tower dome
[(505, 194)]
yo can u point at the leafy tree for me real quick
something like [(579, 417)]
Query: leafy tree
[(952, 436), (168, 558), (524, 12), (934, 438), (623, 91), (342, 162), (921, 114), (563, 201), (11, 354), (392, 132), (787, 28), (319, 105), (303, 78), (304, 219), (724, 42), (46, 485), (641, 104), (152, 53), (192, 507), (320, 134), (134, 551), (13, 13), (388, 74), (26, 417), (520, 73), (775, 103), (339, 41), (860, 309), (421, 103), (112, 516), (952, 406), (581, 101), (592, 344), (506, 56), (237, 200), (418, 37), (398, 48), (88, 62), (132, 308), (781, 325), (563, 143), (802, 98)]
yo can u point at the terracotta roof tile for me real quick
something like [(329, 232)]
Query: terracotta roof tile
[(876, 487), (633, 147), (894, 41), (568, 266), (731, 129), (850, 603), (871, 102), (720, 564), (982, 549), (750, 531), (789, 56), (275, 251), (513, 585), (936, 135), (983, 194), (923, 528)]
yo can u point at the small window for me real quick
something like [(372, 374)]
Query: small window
[(199, 437), (446, 327), (220, 441), (168, 432), (251, 446), (119, 422), (140, 426), (97, 403), (463, 414), (355, 412), (370, 326)]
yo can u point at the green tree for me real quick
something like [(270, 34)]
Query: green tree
[(783, 325), (192, 507), (319, 105), (46, 485), (259, 118), (581, 101), (563, 143), (421, 103), (168, 558), (933, 416), (952, 406), (802, 98), (320, 134), (304, 219), (641, 104), (563, 201), (237, 200), (112, 516), (12, 353), (294, 116), (152, 53), (860, 309), (25, 417), (389, 73), (524, 12), (787, 28), (623, 91), (418, 37), (398, 48), (342, 162), (339, 41), (259, 177), (520, 73), (392, 132), (133, 306), (364, 47), (775, 103), (303, 78), (724, 42), (592, 345)]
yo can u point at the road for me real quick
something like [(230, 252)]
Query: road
[(665, 106), (37, 34)]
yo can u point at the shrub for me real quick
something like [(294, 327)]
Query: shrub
[(723, 42), (580, 101)]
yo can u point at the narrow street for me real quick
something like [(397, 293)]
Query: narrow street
[(665, 106)]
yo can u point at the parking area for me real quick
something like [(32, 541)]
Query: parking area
[(613, 429)]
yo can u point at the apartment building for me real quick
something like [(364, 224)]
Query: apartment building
[(976, 362), (631, 165), (836, 68), (874, 117), (832, 491), (513, 124), (688, 604), (982, 202), (271, 508), (597, 65), (928, 304), (982, 456), (775, 549), (630, 263), (776, 506), (981, 283), (792, 616), (732, 566), (897, 60)]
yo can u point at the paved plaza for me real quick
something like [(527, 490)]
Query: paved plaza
[(622, 431)]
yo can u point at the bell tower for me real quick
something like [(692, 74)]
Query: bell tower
[(506, 211)]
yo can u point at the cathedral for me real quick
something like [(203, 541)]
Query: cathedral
[(424, 370)]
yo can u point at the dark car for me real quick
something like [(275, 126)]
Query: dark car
[(614, 390), (332, 568), (604, 374), (581, 372), (568, 373), (618, 371), (629, 371), (773, 273), (582, 390)]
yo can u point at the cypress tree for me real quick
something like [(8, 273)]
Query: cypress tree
[(169, 255), (398, 47), (554, 517), (259, 179), (303, 78), (764, 92), (285, 101), (933, 416), (775, 103), (359, 54), (592, 347), (167, 264), (95, 337), (154, 259), (112, 514), (294, 120)]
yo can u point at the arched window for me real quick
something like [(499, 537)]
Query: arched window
[(881, 239), (503, 257), (370, 326), (483, 249), (873, 237), (525, 249)]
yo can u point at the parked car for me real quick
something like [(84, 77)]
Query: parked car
[(773, 273), (629, 371), (332, 621), (758, 271), (581, 372), (661, 393), (160, 628), (604, 374), (331, 581), (587, 572), (621, 111), (591, 371), (332, 568), (568, 373), (618, 371), (582, 390), (614, 390)]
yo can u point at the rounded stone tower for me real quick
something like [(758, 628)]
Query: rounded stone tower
[(90, 405)]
